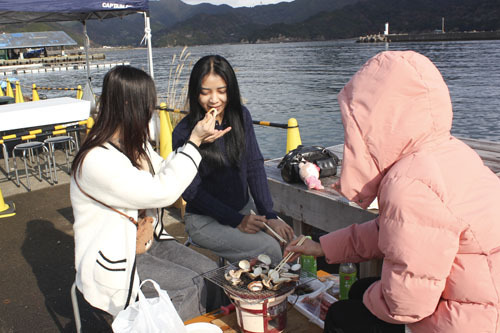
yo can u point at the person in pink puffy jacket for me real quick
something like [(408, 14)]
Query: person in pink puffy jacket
[(438, 229)]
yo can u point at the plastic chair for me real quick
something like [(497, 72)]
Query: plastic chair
[(76, 310), (30, 148), (51, 143), (220, 261)]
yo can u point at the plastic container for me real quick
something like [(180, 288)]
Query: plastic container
[(310, 304)]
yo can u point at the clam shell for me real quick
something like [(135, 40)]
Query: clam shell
[(273, 274), (295, 267), (244, 264), (255, 286), (264, 258)]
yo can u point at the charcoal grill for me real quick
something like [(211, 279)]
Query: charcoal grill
[(261, 311)]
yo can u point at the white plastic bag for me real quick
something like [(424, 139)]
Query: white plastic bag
[(149, 315)]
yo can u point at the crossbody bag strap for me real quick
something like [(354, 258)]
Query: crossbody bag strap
[(130, 218)]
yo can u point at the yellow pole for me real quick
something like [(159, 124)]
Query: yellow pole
[(79, 92), (19, 94), (1, 92), (165, 132), (35, 96), (90, 124), (6, 209), (8, 90), (292, 135)]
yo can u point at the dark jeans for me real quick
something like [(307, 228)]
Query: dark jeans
[(352, 316)]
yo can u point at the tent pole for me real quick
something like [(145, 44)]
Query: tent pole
[(86, 45), (147, 36)]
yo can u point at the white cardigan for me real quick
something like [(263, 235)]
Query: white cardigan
[(105, 240)]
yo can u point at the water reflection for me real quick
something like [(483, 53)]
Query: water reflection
[(301, 80)]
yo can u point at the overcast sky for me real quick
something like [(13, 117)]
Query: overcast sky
[(236, 3)]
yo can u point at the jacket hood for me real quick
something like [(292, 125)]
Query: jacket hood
[(394, 105)]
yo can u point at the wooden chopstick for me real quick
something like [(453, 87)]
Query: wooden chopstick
[(289, 255), (281, 239)]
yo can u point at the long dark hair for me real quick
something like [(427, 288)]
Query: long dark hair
[(233, 114), (127, 104)]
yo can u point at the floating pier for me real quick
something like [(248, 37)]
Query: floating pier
[(38, 68), (430, 37)]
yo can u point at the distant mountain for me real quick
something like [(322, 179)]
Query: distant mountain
[(353, 20), (176, 23)]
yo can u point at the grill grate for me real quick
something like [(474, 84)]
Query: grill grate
[(216, 276)]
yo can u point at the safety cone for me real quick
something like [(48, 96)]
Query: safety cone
[(8, 90), (35, 96), (19, 93), (292, 135), (6, 208)]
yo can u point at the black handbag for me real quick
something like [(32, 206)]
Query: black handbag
[(322, 157)]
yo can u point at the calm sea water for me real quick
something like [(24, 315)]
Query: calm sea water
[(302, 80)]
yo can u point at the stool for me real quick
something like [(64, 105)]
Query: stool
[(6, 159), (221, 261), (76, 310), (30, 147), (51, 143)]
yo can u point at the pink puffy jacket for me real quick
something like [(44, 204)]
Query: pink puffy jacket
[(438, 231)]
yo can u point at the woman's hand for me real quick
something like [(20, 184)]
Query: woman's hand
[(309, 247), (205, 132), (281, 228), (251, 224)]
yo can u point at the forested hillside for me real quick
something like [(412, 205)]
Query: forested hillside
[(176, 23)]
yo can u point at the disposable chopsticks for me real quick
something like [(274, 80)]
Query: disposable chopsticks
[(281, 239), (289, 255)]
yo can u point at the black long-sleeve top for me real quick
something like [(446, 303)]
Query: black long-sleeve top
[(222, 192)]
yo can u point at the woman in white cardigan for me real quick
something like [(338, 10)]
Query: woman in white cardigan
[(117, 171)]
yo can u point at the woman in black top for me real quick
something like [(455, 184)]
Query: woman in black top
[(228, 202)]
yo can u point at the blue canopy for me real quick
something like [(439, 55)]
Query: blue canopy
[(24, 11)]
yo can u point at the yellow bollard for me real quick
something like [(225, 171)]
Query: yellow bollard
[(90, 124), (8, 90), (34, 94), (292, 135), (6, 208), (1, 92), (165, 132), (19, 93), (79, 92)]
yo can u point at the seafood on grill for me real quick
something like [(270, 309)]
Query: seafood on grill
[(260, 274)]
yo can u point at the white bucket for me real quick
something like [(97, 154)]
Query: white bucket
[(267, 316)]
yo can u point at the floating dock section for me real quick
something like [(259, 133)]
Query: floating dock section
[(431, 37), (33, 69)]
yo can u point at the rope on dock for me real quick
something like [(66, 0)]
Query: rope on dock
[(255, 122)]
